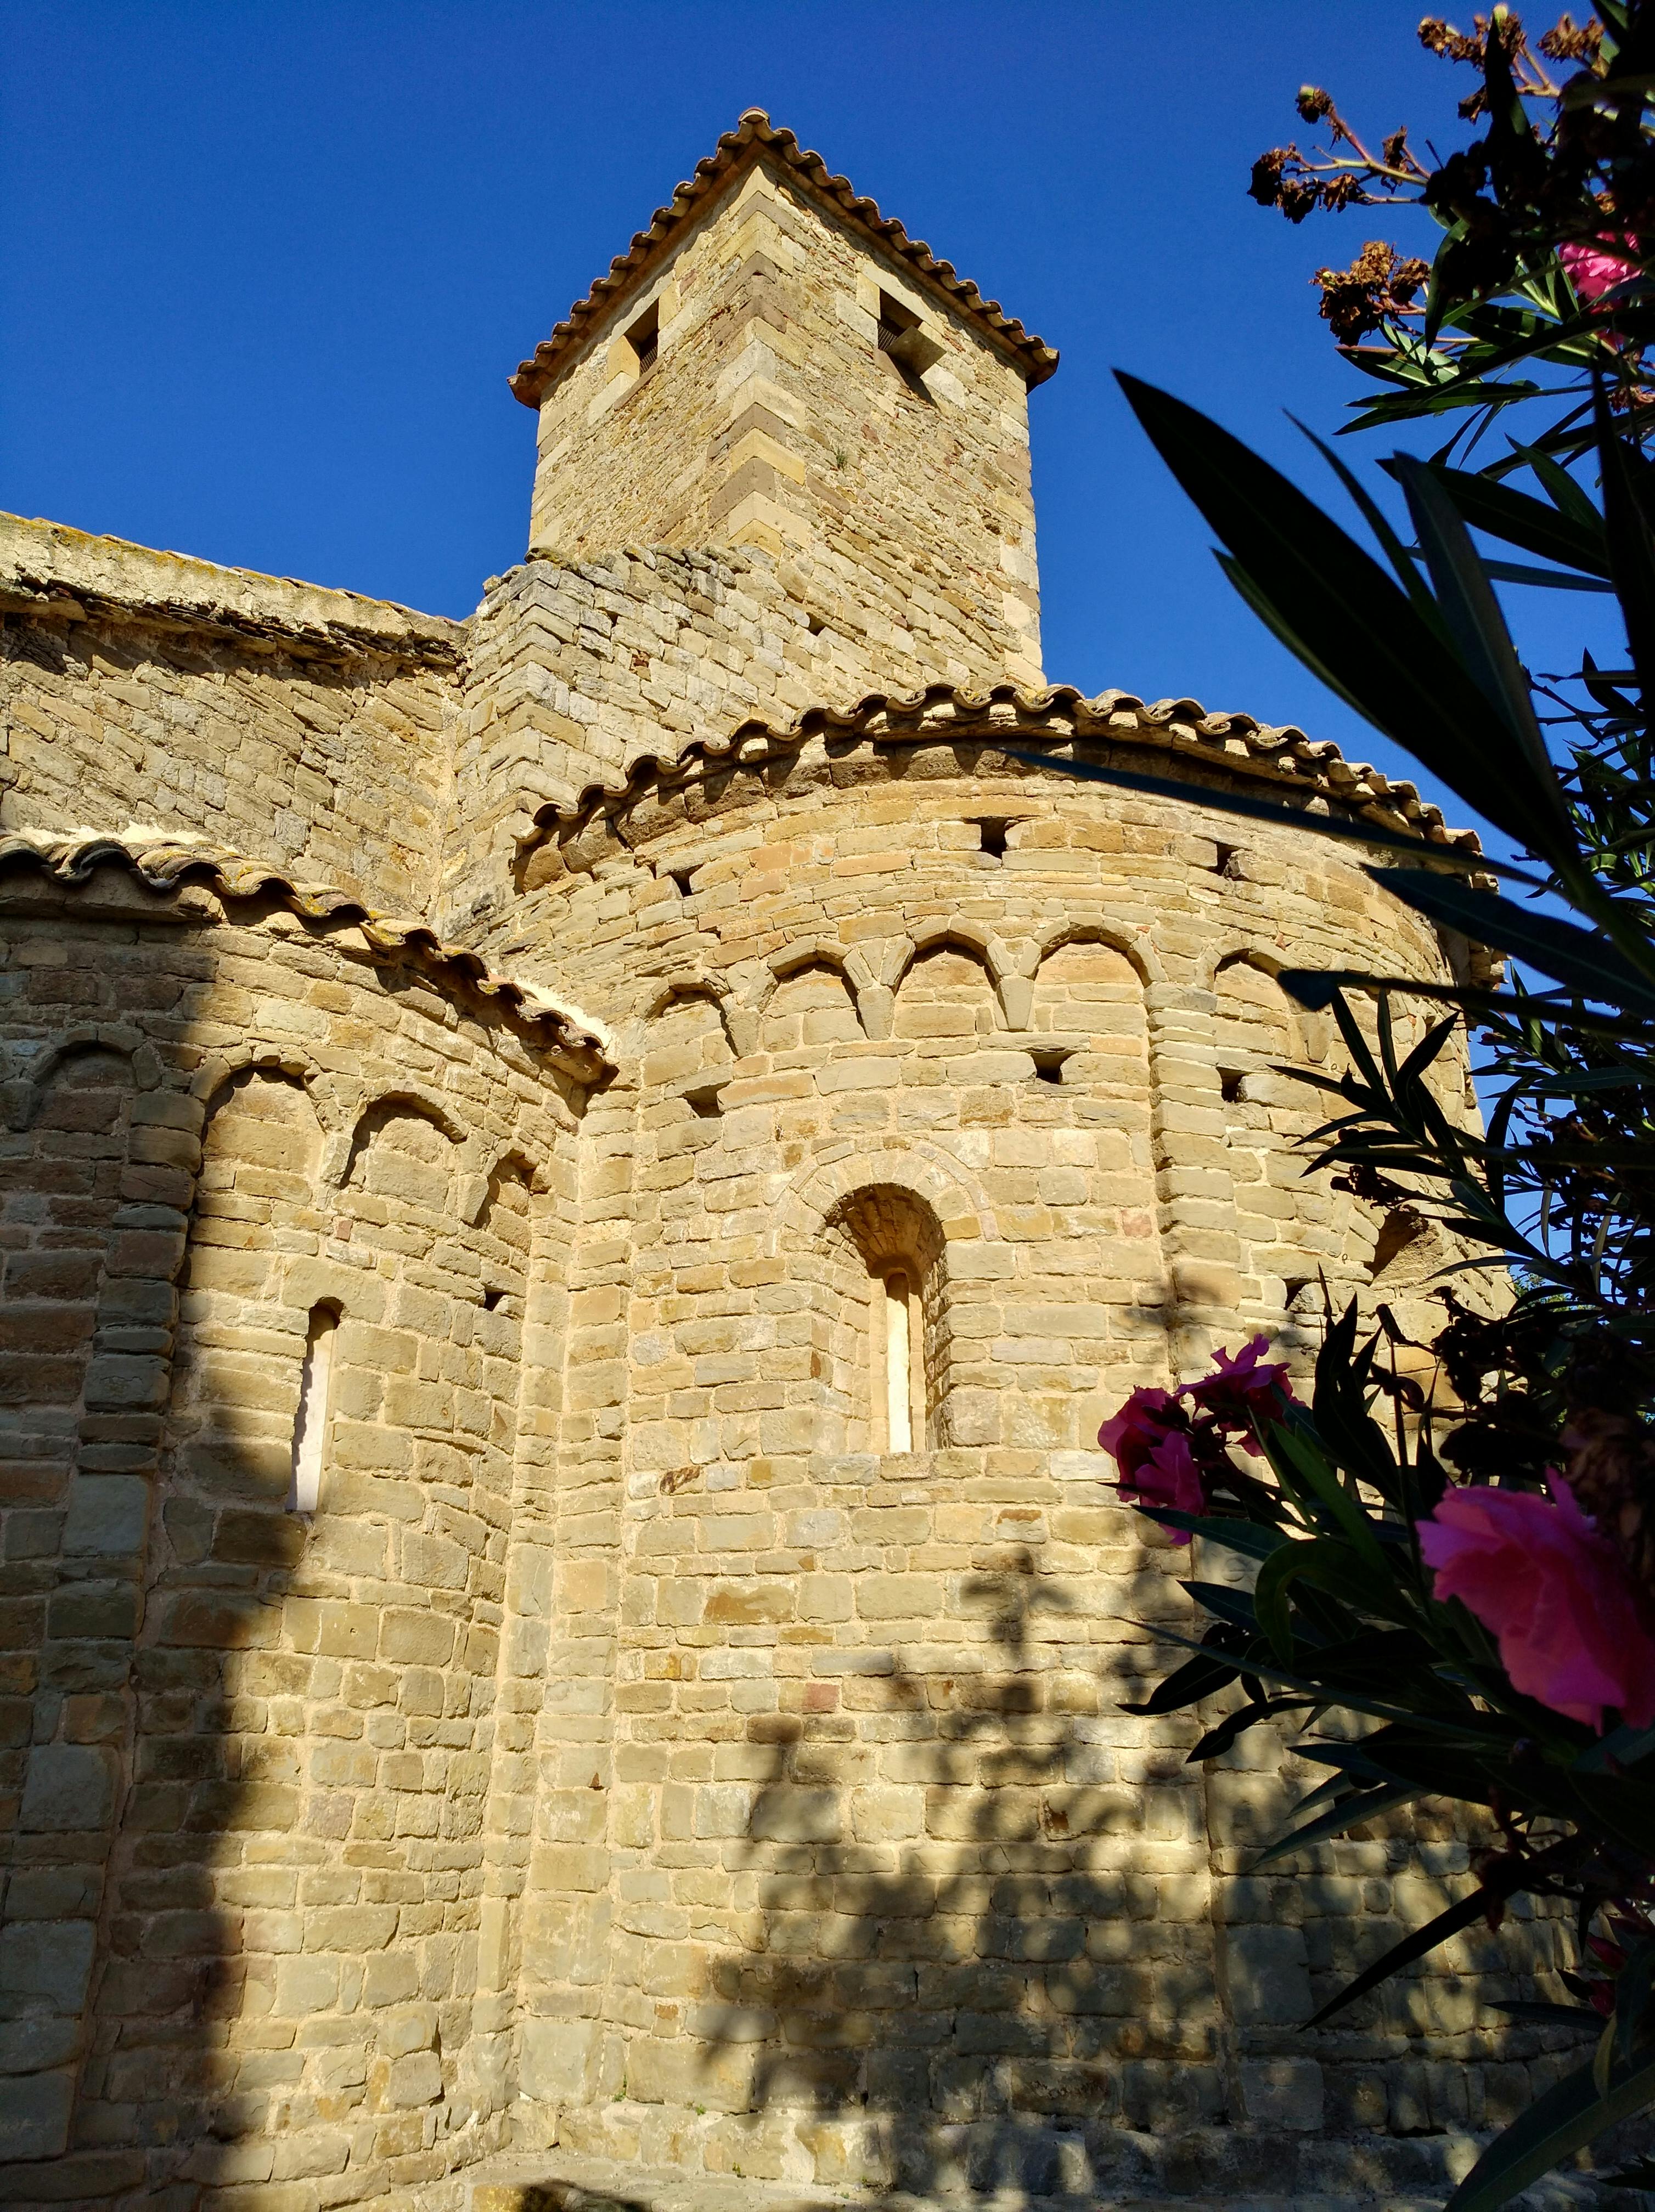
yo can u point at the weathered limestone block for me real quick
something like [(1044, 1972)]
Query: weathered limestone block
[(556, 1581)]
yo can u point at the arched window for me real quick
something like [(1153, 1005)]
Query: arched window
[(895, 1345), (310, 1423), (904, 1377)]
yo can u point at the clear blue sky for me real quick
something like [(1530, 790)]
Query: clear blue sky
[(267, 267)]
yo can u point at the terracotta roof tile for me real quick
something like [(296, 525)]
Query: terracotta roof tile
[(167, 863), (738, 149), (1057, 716)]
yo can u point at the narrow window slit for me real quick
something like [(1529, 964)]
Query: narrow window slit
[(705, 1104), (903, 1386), (644, 337), (310, 1426), (1224, 863), (493, 1300), (1230, 1080), (1049, 1063), (992, 830), (685, 878), (904, 339), (895, 323)]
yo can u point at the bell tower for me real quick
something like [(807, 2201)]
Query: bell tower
[(774, 364)]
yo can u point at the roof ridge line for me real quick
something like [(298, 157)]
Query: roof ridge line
[(533, 377), (167, 860), (1283, 752)]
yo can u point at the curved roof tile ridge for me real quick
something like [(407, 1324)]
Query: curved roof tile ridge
[(166, 863), (1055, 713), (1036, 359)]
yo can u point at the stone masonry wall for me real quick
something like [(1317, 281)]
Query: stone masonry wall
[(687, 1721), (261, 1828), (881, 1883), (770, 416), (575, 673), (305, 726)]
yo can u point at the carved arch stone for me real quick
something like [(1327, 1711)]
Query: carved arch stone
[(345, 1147), (809, 1198), (24, 1091), (739, 1022), (847, 961), (480, 1190), (1012, 990), (1138, 952)]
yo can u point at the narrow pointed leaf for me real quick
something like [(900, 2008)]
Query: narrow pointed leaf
[(1351, 621), (1349, 1813), (1561, 488), (1379, 522), (1465, 1914), (1631, 551), (1582, 960), (1474, 619), (1519, 520), (1566, 2119), (1552, 580)]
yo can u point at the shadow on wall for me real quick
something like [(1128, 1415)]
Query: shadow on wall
[(1029, 1957), (987, 1967), (240, 1919)]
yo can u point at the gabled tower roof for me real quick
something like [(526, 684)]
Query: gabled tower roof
[(737, 152)]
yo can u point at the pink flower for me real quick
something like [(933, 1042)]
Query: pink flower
[(1592, 271), (1137, 1430), (1158, 1467), (1241, 1392), (1168, 1476), (1555, 1593)]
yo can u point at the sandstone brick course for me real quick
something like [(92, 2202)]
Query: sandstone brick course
[(693, 1249)]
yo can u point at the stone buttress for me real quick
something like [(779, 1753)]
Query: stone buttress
[(576, 1186)]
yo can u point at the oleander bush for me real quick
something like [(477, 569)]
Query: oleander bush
[(1467, 1567)]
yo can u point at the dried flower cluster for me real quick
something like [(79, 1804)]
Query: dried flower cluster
[(1553, 201)]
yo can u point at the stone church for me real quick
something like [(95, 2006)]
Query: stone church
[(577, 1184)]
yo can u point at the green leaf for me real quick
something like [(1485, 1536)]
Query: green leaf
[(1474, 619), (1259, 599), (1561, 488), (1566, 2119), (1549, 2016), (1217, 1740), (1624, 1806), (1379, 523), (1308, 1461), (1249, 1537), (1582, 960), (1353, 624), (1555, 580), (1187, 1685), (1232, 1606), (1349, 1813), (1631, 1997), (1465, 1914), (1260, 1663), (1631, 551), (1519, 520), (1587, 91)]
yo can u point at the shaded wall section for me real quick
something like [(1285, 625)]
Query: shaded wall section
[(260, 1865), (308, 725)]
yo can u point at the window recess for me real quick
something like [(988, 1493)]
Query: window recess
[(310, 1425), (644, 337), (904, 337)]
